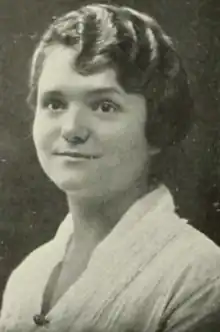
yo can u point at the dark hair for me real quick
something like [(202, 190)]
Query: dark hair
[(143, 56)]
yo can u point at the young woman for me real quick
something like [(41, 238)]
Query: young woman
[(110, 95)]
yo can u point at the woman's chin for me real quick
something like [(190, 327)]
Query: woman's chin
[(72, 186), (75, 187)]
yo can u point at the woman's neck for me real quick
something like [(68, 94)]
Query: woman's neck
[(94, 219)]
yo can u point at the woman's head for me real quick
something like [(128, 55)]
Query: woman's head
[(81, 57), (142, 55)]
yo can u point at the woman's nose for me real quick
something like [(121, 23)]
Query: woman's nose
[(75, 125)]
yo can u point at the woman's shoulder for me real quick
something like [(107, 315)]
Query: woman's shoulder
[(52, 250), (194, 283), (196, 248), (28, 279), (186, 251), (185, 235)]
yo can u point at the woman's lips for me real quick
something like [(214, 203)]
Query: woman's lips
[(76, 155)]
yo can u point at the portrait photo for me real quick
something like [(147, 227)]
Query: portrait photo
[(109, 166)]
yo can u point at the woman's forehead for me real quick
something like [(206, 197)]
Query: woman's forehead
[(59, 72)]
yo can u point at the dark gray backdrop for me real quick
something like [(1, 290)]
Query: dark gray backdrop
[(30, 206)]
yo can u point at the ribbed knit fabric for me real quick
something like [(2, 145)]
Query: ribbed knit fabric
[(153, 272)]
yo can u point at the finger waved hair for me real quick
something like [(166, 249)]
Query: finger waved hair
[(136, 47)]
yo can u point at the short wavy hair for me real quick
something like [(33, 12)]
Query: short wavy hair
[(142, 55)]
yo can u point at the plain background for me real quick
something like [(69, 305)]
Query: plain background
[(31, 208)]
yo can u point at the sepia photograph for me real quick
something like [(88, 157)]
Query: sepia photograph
[(109, 166)]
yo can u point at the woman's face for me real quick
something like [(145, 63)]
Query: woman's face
[(88, 132)]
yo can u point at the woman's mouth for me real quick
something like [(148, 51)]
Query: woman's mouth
[(77, 155)]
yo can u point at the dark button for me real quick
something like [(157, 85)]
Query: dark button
[(40, 320)]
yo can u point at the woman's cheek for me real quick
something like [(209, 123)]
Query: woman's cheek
[(44, 133)]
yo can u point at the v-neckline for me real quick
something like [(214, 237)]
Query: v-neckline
[(51, 283), (138, 209)]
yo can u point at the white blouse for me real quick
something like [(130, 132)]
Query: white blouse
[(153, 272)]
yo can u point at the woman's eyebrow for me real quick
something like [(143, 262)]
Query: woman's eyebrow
[(52, 93), (103, 90), (88, 93)]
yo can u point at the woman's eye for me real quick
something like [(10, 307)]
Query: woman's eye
[(106, 107), (54, 105)]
